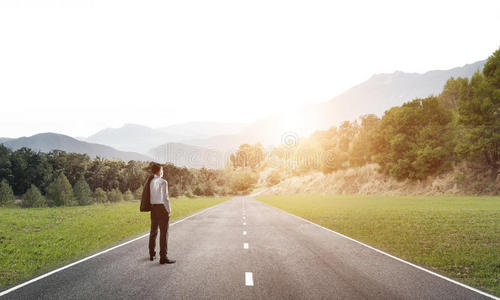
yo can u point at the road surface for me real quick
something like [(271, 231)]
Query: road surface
[(245, 249)]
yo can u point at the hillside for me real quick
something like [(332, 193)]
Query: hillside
[(366, 180), (375, 95), (45, 142), (139, 138), (383, 91), (198, 130), (189, 156), (132, 137)]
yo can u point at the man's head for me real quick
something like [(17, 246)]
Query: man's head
[(157, 169)]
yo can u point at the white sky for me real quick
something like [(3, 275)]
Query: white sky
[(75, 67)]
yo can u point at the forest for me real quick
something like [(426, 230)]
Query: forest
[(59, 178)]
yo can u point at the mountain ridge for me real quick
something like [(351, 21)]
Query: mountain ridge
[(140, 138), (48, 141), (372, 96)]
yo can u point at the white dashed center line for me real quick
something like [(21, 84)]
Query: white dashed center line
[(245, 245), (244, 233), (244, 217), (248, 278), (244, 223)]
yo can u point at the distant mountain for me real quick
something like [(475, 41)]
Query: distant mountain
[(138, 138), (132, 137), (2, 140), (45, 142), (383, 91), (197, 130), (375, 95), (189, 156)]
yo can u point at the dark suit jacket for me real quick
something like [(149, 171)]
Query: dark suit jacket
[(146, 195)]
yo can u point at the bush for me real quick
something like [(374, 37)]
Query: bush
[(173, 191), (60, 191), (82, 192), (115, 196), (198, 191), (33, 198), (273, 178), (6, 193), (100, 195), (209, 189), (242, 181), (128, 196), (138, 192), (189, 193)]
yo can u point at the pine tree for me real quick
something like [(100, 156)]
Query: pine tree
[(60, 191), (138, 192), (33, 198), (128, 196), (6, 193), (115, 196), (82, 192), (100, 195)]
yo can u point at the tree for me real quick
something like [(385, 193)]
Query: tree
[(248, 156), (76, 166), (128, 196), (5, 164), (29, 167), (6, 193), (60, 192), (100, 196), (362, 149), (173, 190), (479, 117), (115, 196), (33, 198), (134, 175), (112, 175), (138, 192), (242, 180), (273, 178), (82, 192), (414, 140), (96, 172), (452, 91)]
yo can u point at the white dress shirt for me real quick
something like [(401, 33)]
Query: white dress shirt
[(159, 192)]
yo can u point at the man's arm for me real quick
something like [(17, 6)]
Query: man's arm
[(166, 201)]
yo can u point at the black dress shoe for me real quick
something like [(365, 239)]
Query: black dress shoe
[(152, 256), (165, 260)]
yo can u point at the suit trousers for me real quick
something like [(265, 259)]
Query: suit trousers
[(159, 218)]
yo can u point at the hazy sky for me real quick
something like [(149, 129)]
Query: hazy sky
[(77, 66)]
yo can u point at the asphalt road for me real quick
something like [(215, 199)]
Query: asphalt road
[(286, 258)]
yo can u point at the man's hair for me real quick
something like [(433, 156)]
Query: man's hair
[(155, 168)]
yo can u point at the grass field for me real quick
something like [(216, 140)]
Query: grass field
[(36, 240), (458, 237)]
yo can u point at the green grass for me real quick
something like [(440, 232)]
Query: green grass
[(36, 240), (458, 237)]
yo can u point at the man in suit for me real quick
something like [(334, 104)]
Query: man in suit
[(160, 213)]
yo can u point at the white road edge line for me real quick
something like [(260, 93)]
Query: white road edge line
[(394, 257), (245, 245), (248, 279), (99, 253)]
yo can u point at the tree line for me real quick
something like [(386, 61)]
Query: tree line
[(419, 138), (59, 178)]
